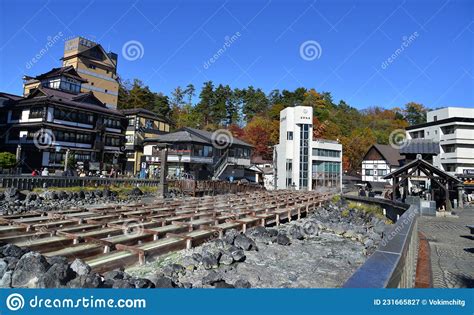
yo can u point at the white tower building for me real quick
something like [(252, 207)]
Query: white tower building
[(304, 163)]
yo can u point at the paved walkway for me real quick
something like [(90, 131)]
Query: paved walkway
[(452, 249)]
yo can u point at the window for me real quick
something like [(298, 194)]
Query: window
[(91, 66), (112, 123), (327, 153), (73, 116), (131, 121), (36, 112), (289, 168), (92, 83), (289, 135), (70, 136), (148, 123), (130, 138), (382, 172), (105, 91), (369, 172), (304, 144), (202, 150), (435, 118), (112, 141), (56, 157), (449, 148), (449, 130)]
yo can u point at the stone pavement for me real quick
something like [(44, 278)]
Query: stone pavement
[(452, 249)]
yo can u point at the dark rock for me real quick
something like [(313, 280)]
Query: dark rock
[(91, 280), (230, 236), (29, 269), (186, 285), (12, 261), (114, 275), (143, 283), (226, 259), (13, 194), (296, 232), (282, 239), (56, 260), (244, 242), (243, 284), (10, 250), (211, 278), (31, 196), (3, 267), (136, 192), (81, 194), (62, 195), (164, 282), (98, 193), (272, 232), (237, 254), (6, 280), (209, 261), (80, 267), (107, 283), (223, 285), (172, 270), (122, 284), (56, 276)]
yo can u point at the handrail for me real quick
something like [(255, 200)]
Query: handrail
[(219, 164), (393, 264)]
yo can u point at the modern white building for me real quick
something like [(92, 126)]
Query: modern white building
[(380, 160), (453, 129), (304, 163)]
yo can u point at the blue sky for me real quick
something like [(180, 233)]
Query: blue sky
[(430, 43)]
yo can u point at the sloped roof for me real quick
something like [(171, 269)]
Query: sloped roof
[(424, 164), (12, 97), (143, 111), (188, 134), (390, 154), (420, 146), (178, 136), (209, 136), (67, 71), (86, 101)]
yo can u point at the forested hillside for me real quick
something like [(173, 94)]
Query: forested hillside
[(253, 115)]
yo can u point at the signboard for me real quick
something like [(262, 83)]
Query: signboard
[(469, 171)]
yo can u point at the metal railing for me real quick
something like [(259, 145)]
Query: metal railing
[(393, 264), (27, 182)]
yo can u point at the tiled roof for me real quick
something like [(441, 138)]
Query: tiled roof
[(421, 146), (391, 155), (85, 101)]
